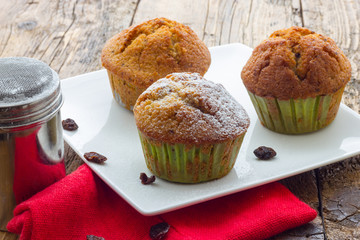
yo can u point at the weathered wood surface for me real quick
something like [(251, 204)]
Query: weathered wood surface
[(69, 36)]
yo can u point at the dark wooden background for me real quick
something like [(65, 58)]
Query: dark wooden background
[(69, 36)]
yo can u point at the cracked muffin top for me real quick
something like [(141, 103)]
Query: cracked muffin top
[(296, 63), (186, 108), (151, 50)]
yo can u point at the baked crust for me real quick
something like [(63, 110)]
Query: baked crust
[(296, 63), (185, 108), (149, 51)]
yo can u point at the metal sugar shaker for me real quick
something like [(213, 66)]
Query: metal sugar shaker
[(31, 141)]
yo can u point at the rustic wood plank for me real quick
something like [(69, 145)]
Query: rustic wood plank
[(8, 236), (309, 231), (67, 35), (341, 199), (72, 160)]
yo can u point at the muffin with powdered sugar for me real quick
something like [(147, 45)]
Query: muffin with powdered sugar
[(191, 129)]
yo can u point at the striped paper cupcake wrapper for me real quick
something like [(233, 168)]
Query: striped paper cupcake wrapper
[(190, 164), (125, 94), (296, 116)]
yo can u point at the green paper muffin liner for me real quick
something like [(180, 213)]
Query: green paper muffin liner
[(296, 116), (190, 164)]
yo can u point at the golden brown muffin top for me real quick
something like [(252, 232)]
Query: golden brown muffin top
[(186, 108), (296, 63), (151, 50)]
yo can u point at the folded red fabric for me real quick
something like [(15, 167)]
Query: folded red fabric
[(81, 204)]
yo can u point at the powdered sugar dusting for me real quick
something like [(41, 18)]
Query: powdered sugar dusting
[(184, 107)]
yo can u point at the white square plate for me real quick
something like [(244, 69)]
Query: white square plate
[(107, 128)]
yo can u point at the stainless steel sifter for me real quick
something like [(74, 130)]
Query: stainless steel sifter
[(31, 142)]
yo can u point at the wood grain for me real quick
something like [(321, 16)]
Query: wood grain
[(341, 199), (8, 236), (69, 36)]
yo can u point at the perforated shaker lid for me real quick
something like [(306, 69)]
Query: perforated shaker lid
[(29, 92)]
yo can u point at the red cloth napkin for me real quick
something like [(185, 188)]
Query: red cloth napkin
[(81, 204), (33, 171)]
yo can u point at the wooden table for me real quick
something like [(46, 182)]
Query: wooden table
[(69, 36)]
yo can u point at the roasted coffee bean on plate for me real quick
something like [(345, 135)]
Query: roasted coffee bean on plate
[(94, 157), (159, 231), (264, 153), (146, 180), (69, 124), (93, 237)]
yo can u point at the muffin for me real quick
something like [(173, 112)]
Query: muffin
[(190, 129), (295, 80), (138, 56)]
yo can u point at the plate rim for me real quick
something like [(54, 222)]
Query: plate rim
[(123, 195)]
